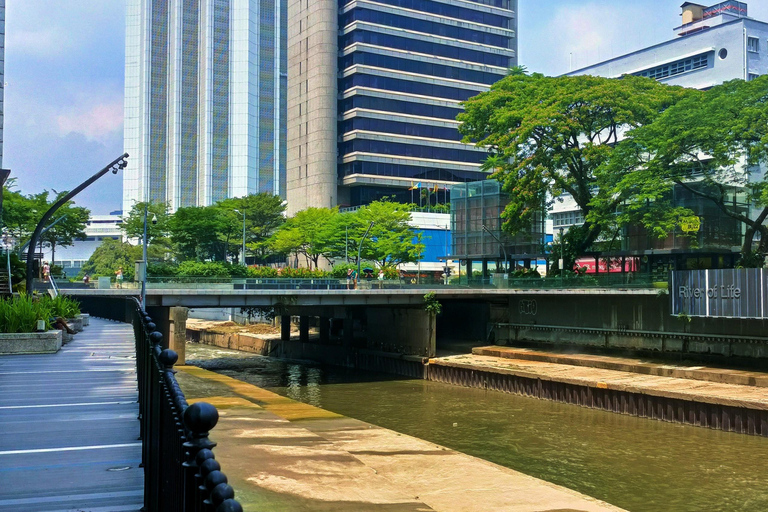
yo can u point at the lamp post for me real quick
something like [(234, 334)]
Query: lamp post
[(360, 248), (145, 257), (562, 255), (114, 166), (500, 245), (243, 214)]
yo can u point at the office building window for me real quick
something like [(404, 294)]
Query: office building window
[(564, 219), (753, 44), (751, 76), (676, 68)]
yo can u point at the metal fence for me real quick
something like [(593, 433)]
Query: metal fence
[(181, 473)]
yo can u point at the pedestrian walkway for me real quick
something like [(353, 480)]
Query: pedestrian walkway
[(282, 455), (69, 428)]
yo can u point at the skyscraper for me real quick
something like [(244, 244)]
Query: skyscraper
[(374, 89), (205, 103)]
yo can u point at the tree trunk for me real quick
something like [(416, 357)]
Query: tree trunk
[(749, 236)]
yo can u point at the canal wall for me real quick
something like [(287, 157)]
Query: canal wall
[(622, 322), (720, 413)]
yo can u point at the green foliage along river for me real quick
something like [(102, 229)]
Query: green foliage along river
[(638, 464)]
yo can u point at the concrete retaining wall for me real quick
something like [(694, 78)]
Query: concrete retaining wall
[(716, 416), (31, 343), (258, 344)]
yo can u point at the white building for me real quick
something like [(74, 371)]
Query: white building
[(714, 44), (99, 227), (205, 106)]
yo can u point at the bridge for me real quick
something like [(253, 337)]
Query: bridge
[(391, 322)]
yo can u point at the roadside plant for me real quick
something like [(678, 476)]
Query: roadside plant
[(20, 314)]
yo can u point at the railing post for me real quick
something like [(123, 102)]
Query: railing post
[(171, 430)]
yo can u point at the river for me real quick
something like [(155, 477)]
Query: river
[(638, 464)]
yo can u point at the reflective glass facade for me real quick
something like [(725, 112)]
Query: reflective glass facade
[(404, 67), (205, 107)]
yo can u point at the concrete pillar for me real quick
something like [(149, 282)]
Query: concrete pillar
[(285, 328), (304, 329), (177, 337), (325, 328)]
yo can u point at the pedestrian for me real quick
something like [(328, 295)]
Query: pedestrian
[(349, 277), (381, 278), (354, 279), (46, 271), (119, 277), (86, 279)]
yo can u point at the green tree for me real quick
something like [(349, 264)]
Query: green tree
[(551, 136), (196, 233), (133, 223), (307, 234), (391, 240), (264, 213), (714, 144), (111, 255), (18, 213)]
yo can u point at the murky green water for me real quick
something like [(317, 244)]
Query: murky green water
[(638, 464)]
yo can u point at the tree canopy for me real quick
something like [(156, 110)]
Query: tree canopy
[(321, 232), (550, 136), (714, 144)]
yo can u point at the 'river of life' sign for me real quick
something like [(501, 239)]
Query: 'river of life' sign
[(735, 293)]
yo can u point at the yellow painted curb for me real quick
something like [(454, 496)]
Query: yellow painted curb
[(286, 408)]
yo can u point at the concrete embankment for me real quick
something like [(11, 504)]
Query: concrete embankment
[(285, 455), (706, 397)]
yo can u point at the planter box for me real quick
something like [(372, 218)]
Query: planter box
[(76, 324), (30, 342), (86, 319)]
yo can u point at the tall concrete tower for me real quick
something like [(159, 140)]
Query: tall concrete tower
[(312, 97), (374, 88), (205, 85)]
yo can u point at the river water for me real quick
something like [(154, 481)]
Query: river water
[(637, 464)]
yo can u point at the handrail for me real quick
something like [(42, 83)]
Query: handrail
[(10, 277), (180, 470), (54, 286)]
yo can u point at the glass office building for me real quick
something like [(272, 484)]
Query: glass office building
[(205, 100), (403, 67)]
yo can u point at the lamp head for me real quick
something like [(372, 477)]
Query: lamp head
[(154, 220)]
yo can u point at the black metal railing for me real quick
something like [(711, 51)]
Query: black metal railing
[(181, 473)]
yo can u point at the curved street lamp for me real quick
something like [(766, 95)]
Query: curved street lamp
[(114, 166)]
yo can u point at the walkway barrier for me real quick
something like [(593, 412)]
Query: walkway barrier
[(181, 473)]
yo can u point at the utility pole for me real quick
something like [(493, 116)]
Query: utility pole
[(243, 255)]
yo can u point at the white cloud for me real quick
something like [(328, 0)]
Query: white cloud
[(48, 43), (97, 122)]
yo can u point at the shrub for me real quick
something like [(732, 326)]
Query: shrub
[(20, 314), (62, 306), (161, 270), (304, 273), (262, 272)]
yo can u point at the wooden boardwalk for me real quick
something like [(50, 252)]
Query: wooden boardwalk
[(68, 427)]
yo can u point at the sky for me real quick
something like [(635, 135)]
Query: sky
[(64, 69)]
